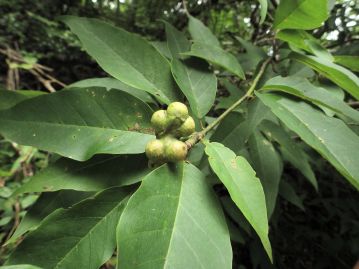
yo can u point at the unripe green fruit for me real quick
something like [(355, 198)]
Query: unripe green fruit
[(175, 151), (177, 113), (155, 150), (159, 120), (186, 129)]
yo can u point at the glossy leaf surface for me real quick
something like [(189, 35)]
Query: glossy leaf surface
[(98, 173), (72, 236), (169, 218), (125, 56), (80, 123), (329, 136), (197, 82), (243, 186), (298, 14)]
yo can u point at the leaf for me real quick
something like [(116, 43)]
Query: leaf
[(243, 186), (20, 266), (234, 133), (45, 205), (162, 48), (72, 236), (197, 82), (177, 42), (253, 55), (329, 136), (169, 218), (98, 173), (10, 98), (349, 61), (291, 151), (302, 88), (217, 56), (200, 33), (339, 75), (304, 41), (288, 193), (264, 9), (299, 14), (111, 83), (125, 56), (80, 123), (268, 166)]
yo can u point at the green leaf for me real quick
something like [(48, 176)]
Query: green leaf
[(177, 41), (111, 83), (20, 266), (268, 166), (253, 55), (169, 218), (200, 33), (125, 56), (329, 136), (264, 9), (288, 193), (162, 48), (80, 123), (197, 82), (72, 236), (303, 40), (217, 56), (243, 186), (301, 14), (45, 205), (98, 173), (339, 75), (10, 98), (291, 151), (349, 61), (234, 133), (302, 88)]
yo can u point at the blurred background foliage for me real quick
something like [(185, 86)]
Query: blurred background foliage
[(312, 230)]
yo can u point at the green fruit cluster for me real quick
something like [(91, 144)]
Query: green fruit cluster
[(170, 125)]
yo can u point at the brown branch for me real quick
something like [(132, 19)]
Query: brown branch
[(40, 71)]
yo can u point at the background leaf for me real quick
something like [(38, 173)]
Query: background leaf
[(264, 8), (200, 32), (217, 56), (289, 148), (72, 236), (339, 75), (197, 82), (80, 123), (349, 61), (268, 166), (244, 188), (45, 205), (301, 87), (298, 14), (169, 218), (111, 83), (98, 173), (177, 41), (125, 56), (329, 136)]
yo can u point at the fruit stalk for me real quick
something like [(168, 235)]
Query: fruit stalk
[(198, 136)]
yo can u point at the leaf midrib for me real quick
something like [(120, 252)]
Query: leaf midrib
[(89, 232)]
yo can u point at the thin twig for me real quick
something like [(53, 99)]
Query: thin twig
[(184, 3), (196, 137)]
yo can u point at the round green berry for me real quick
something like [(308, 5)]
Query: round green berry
[(155, 150), (175, 151), (159, 121), (186, 129)]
